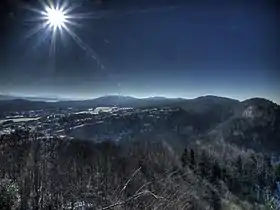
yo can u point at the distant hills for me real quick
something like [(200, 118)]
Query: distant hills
[(253, 123), (200, 104), (11, 103)]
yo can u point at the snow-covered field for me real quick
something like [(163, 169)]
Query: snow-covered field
[(20, 119)]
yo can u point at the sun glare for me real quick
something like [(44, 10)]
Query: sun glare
[(56, 18)]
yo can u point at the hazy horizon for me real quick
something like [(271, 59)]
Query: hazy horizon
[(73, 98)]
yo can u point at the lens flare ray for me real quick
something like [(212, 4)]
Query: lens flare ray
[(37, 29)]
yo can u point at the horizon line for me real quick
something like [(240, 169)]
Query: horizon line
[(61, 98)]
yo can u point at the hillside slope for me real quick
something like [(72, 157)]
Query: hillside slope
[(255, 124)]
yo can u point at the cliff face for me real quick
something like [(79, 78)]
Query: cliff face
[(255, 124)]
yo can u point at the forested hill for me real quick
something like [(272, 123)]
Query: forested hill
[(67, 174)]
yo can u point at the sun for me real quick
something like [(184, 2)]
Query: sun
[(56, 17)]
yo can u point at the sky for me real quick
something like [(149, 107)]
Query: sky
[(147, 48)]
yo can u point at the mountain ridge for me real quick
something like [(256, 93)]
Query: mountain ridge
[(203, 102), (4, 97)]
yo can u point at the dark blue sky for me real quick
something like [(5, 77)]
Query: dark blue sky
[(168, 48)]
